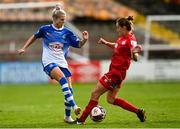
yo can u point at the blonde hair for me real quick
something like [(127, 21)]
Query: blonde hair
[(58, 11)]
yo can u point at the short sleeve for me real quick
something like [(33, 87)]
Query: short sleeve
[(74, 40), (133, 43), (39, 33)]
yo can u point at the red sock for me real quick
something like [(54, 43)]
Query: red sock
[(124, 104), (87, 110)]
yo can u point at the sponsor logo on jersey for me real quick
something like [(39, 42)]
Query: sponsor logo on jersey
[(123, 42), (56, 46)]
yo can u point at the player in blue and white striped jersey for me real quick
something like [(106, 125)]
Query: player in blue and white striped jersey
[(56, 40)]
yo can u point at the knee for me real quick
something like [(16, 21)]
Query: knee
[(110, 100)]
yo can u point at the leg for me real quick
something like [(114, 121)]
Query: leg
[(68, 118), (67, 105), (96, 93), (57, 74), (112, 99)]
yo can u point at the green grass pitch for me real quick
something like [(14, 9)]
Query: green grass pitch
[(41, 106)]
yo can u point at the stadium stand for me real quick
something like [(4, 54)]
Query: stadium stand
[(159, 6)]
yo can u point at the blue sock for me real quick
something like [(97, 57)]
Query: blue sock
[(66, 91)]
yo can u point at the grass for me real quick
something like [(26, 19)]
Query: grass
[(41, 106)]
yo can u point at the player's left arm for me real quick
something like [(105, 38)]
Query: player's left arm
[(76, 42), (85, 36), (135, 50)]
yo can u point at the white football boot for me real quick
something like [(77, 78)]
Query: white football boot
[(68, 119)]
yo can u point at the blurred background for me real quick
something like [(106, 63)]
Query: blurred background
[(157, 28), (29, 99)]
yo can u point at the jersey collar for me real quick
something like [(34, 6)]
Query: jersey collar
[(57, 28), (127, 35)]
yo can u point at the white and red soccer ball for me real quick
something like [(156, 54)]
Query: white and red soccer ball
[(98, 113)]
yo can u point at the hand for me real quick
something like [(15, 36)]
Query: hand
[(102, 41), (21, 51), (135, 56), (137, 49), (85, 35)]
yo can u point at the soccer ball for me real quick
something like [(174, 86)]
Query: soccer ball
[(98, 113)]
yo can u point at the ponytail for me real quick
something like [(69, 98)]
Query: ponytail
[(57, 11), (130, 18)]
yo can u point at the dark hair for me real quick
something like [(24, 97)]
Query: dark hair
[(126, 22)]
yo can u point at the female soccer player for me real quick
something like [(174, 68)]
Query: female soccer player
[(125, 48), (56, 41)]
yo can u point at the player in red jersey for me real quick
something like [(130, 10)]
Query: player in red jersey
[(125, 49)]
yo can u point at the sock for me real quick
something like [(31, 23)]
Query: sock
[(71, 89), (68, 106), (87, 110), (67, 93), (125, 105)]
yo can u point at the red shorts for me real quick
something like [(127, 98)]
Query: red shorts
[(112, 79)]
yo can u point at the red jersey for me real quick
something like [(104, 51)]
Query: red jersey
[(121, 58), (120, 62)]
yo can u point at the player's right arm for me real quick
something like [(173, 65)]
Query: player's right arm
[(38, 34), (109, 44), (27, 44)]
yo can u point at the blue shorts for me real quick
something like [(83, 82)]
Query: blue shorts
[(51, 66)]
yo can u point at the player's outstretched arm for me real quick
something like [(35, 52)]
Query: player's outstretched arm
[(85, 36), (135, 52), (26, 45), (109, 44)]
